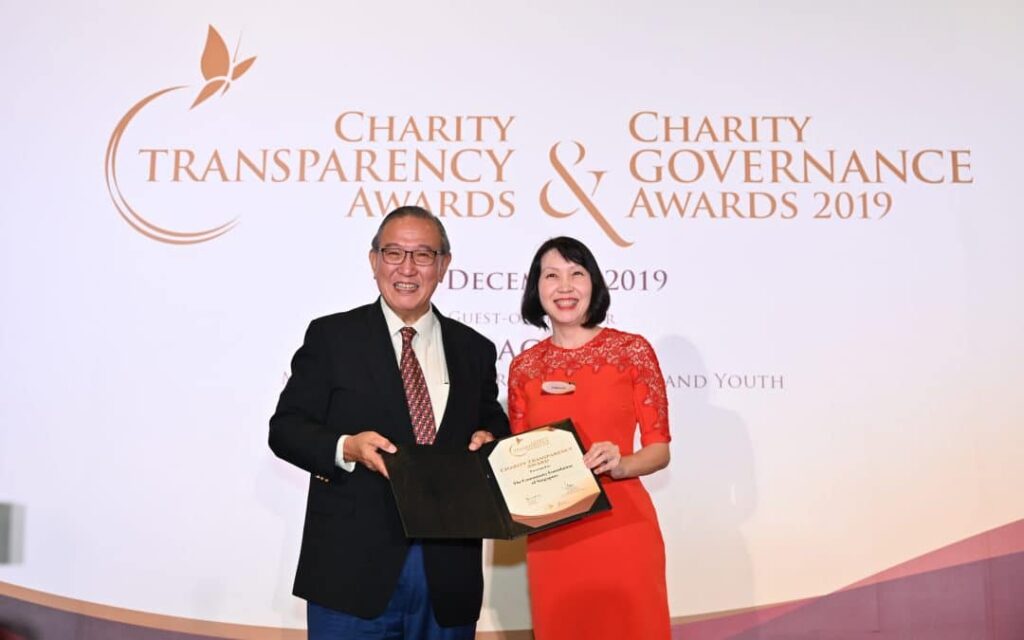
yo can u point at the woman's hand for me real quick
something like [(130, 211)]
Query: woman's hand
[(604, 457)]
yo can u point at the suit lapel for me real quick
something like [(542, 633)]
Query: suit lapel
[(385, 374)]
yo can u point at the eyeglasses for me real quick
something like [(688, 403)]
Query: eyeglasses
[(420, 257)]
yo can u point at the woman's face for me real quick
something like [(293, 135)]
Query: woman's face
[(564, 290)]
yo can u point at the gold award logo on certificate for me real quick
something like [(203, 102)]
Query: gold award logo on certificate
[(542, 476)]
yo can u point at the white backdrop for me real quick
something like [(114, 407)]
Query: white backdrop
[(843, 383)]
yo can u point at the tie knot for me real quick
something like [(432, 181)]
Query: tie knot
[(407, 334)]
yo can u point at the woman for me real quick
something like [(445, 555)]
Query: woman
[(602, 576)]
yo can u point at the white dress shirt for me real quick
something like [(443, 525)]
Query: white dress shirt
[(429, 349)]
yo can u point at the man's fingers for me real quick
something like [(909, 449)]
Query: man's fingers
[(373, 461), (365, 448), (382, 443), (376, 463), (479, 439)]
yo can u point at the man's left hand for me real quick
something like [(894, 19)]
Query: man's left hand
[(479, 439)]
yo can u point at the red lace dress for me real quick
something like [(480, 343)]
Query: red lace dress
[(603, 576)]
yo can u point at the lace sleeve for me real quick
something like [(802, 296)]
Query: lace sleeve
[(516, 397), (649, 398)]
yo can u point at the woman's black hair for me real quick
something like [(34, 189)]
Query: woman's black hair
[(576, 252)]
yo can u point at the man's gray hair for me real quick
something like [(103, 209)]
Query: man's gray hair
[(412, 211)]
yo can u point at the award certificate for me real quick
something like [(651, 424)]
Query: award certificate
[(508, 488), (542, 476)]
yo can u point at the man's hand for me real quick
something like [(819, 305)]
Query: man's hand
[(479, 439), (365, 449)]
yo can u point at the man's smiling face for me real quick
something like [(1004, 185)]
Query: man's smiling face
[(407, 287)]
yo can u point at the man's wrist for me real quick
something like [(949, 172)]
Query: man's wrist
[(339, 456)]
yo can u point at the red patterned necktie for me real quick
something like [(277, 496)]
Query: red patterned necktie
[(416, 395)]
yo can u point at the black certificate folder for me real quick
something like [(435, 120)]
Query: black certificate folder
[(508, 488)]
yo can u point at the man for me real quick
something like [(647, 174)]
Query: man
[(359, 389)]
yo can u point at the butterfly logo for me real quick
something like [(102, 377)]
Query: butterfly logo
[(219, 70)]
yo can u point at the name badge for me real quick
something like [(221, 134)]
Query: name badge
[(557, 387)]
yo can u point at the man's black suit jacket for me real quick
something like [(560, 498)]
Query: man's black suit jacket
[(345, 379)]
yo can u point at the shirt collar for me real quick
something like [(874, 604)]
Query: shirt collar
[(424, 326)]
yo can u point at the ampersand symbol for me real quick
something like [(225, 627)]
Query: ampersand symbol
[(577, 191)]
